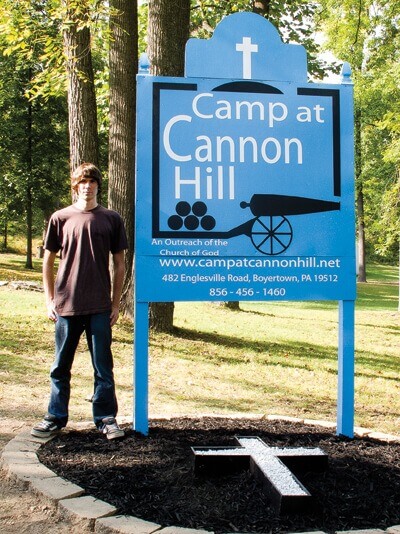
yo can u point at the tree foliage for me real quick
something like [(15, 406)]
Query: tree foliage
[(295, 20), (33, 149), (367, 35), (33, 91), (31, 30)]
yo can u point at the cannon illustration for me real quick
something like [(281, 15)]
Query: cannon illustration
[(270, 230)]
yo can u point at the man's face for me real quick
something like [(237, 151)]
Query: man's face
[(87, 189)]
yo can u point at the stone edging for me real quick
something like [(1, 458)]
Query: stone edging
[(19, 460)]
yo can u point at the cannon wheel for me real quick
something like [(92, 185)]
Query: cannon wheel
[(271, 234)]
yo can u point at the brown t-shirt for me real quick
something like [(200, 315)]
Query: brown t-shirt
[(85, 240)]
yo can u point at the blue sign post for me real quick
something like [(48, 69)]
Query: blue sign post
[(245, 187)]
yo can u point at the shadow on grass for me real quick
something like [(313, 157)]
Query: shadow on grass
[(375, 296), (278, 354), (18, 366), (271, 349)]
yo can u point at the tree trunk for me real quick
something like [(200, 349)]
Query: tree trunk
[(261, 7), (362, 272), (5, 236), (82, 110), (29, 236), (161, 316), (398, 176), (121, 162), (168, 32), (230, 305), (361, 259), (28, 200)]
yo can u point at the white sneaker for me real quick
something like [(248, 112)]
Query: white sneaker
[(111, 429), (46, 428)]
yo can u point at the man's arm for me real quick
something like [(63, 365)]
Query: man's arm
[(118, 280), (48, 283)]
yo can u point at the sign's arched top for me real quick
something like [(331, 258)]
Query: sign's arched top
[(255, 53)]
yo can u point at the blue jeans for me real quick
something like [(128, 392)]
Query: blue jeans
[(68, 331)]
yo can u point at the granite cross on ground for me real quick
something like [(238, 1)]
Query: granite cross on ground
[(271, 465)]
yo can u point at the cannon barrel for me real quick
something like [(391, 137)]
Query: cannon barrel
[(264, 204)]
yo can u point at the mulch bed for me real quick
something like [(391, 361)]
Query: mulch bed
[(153, 478)]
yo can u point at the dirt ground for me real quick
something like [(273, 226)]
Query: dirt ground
[(20, 511)]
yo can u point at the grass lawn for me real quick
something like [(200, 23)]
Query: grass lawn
[(274, 357)]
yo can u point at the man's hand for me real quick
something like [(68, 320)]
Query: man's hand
[(118, 280), (51, 311), (114, 315)]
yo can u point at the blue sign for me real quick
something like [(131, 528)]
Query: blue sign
[(245, 187), (245, 175)]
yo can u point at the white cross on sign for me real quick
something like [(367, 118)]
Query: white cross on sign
[(247, 48), (270, 465)]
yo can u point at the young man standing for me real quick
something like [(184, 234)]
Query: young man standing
[(80, 299)]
